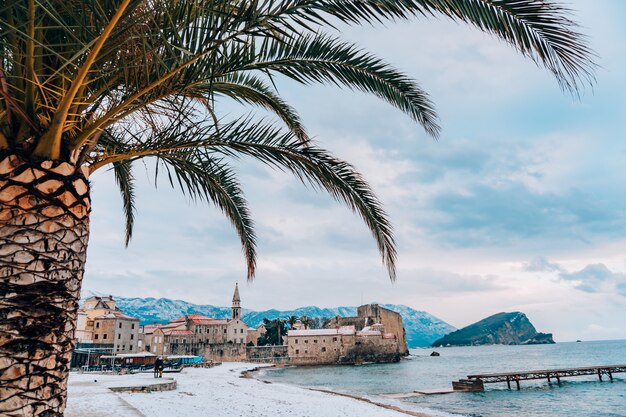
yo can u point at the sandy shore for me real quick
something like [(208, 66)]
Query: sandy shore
[(215, 392)]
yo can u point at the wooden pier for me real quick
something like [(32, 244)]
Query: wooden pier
[(548, 374)]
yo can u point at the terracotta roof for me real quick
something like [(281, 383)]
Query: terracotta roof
[(175, 325), (217, 321), (150, 328), (178, 320), (177, 332), (193, 317), (116, 315)]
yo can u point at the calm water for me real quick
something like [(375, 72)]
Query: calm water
[(578, 396)]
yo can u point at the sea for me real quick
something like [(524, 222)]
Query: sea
[(583, 396)]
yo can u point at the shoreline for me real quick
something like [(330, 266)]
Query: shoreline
[(254, 374), (230, 389)]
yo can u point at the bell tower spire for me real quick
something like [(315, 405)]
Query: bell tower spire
[(236, 308)]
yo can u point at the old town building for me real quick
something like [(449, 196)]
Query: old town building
[(195, 334), (365, 338)]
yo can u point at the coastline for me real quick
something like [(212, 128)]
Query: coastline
[(254, 373), (223, 391)]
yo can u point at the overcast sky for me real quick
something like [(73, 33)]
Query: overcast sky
[(519, 206)]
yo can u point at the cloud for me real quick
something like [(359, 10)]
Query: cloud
[(541, 264), (595, 278), (593, 273)]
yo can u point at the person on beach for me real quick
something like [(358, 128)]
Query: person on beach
[(158, 367)]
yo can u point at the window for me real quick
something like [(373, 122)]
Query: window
[(119, 325), (119, 336), (130, 347), (154, 349), (123, 347), (306, 351), (176, 341), (97, 325), (225, 331), (241, 331), (96, 336), (323, 349), (306, 341), (297, 352), (240, 340), (296, 341), (334, 339), (314, 340), (132, 326), (104, 336), (235, 331), (132, 336)]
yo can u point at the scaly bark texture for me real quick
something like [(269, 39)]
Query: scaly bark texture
[(44, 228)]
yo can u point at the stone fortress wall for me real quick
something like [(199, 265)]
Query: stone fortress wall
[(370, 314), (375, 335)]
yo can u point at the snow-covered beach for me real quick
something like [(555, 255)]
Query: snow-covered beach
[(215, 392)]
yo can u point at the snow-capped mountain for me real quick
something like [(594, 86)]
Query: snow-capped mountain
[(422, 328)]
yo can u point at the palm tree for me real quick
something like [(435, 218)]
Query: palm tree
[(305, 321), (92, 84), (292, 321)]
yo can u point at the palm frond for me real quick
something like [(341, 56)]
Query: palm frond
[(323, 59), (247, 88), (126, 183), (211, 180), (201, 144), (540, 29)]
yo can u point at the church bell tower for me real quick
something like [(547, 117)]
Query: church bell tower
[(236, 304)]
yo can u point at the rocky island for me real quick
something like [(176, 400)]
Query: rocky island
[(501, 329)]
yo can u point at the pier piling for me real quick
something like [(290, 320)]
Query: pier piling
[(542, 374)]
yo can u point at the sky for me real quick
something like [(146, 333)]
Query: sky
[(519, 206)]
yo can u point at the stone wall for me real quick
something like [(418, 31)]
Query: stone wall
[(391, 320), (338, 321), (316, 349), (369, 314), (267, 354), (342, 349), (224, 352), (371, 349)]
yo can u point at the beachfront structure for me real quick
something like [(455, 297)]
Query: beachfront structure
[(100, 322), (371, 315), (253, 335), (195, 334), (346, 340), (103, 329), (144, 344), (117, 328)]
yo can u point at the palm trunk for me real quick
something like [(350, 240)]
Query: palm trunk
[(44, 228)]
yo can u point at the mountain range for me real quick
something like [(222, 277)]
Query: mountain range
[(422, 328)]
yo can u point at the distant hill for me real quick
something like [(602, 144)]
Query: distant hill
[(502, 329), (421, 328)]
